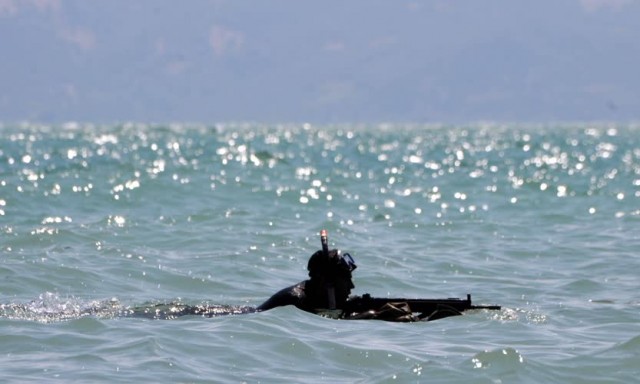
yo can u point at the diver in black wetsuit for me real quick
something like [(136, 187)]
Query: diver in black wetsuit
[(327, 292), (329, 285)]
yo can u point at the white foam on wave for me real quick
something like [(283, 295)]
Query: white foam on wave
[(50, 307)]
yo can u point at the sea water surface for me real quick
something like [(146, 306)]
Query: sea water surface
[(541, 219)]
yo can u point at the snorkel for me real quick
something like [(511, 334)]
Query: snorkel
[(330, 272), (325, 242), (331, 291)]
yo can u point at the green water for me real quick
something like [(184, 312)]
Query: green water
[(541, 219)]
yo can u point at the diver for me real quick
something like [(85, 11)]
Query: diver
[(328, 286), (329, 283), (327, 291)]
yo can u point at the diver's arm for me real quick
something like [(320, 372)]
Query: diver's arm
[(292, 295)]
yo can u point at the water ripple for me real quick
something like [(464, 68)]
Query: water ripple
[(541, 219)]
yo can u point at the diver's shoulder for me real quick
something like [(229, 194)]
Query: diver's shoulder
[(287, 296)]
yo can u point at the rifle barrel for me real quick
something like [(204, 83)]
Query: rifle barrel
[(490, 307)]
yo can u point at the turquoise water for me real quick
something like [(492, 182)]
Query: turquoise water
[(541, 219)]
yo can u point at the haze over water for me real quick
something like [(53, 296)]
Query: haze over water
[(541, 219)]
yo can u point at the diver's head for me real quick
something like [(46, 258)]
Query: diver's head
[(332, 271), (335, 265)]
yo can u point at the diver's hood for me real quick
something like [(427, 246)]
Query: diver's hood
[(337, 265)]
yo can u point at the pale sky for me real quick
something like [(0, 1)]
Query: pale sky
[(326, 62)]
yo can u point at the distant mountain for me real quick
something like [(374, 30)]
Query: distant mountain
[(334, 61)]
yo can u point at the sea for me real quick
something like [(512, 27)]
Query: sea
[(99, 220)]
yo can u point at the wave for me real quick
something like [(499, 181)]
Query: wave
[(50, 307)]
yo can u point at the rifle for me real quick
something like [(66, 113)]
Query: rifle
[(431, 309)]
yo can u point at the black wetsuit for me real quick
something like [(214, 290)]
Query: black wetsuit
[(306, 295), (312, 295), (293, 295)]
